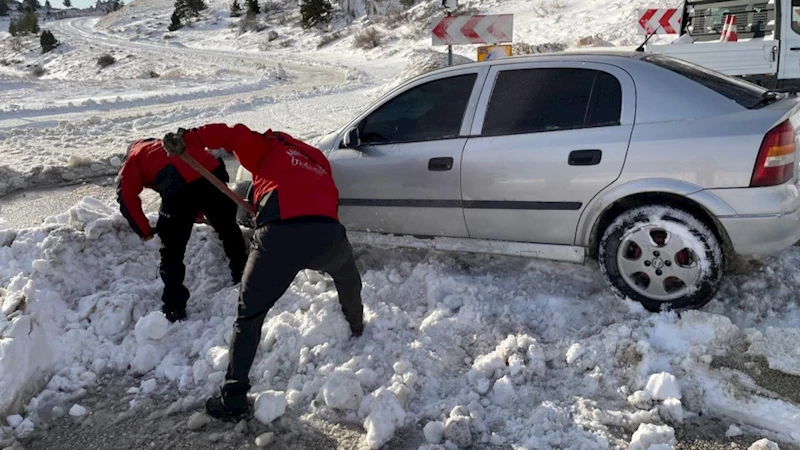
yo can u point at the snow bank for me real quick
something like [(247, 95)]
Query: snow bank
[(474, 349)]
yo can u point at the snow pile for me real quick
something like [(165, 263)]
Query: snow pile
[(474, 349), (648, 436), (269, 406)]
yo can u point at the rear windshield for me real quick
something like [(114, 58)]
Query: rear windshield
[(742, 92)]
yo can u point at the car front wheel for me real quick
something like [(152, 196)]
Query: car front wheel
[(662, 257)]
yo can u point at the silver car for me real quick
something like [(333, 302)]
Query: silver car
[(662, 170)]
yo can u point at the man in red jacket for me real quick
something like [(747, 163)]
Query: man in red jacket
[(185, 197), (297, 227)]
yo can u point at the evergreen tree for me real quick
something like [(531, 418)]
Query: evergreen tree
[(28, 23), (236, 8), (252, 7), (48, 41), (3, 8), (47, 5), (195, 6), (67, 4), (314, 12), (176, 21), (30, 5)]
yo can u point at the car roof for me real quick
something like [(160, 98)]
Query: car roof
[(583, 55)]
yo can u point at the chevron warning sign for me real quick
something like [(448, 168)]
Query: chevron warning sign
[(669, 21), (475, 29)]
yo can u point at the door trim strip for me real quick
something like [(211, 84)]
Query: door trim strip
[(466, 204)]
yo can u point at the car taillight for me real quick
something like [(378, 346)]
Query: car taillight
[(776, 158)]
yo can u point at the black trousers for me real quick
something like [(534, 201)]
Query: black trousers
[(278, 253), (175, 220)]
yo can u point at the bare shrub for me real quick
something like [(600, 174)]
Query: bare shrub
[(250, 23), (368, 38), (106, 60), (330, 37), (152, 74), (394, 18), (38, 71), (545, 8), (15, 43)]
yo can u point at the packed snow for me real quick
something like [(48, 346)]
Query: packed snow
[(468, 349), (498, 366)]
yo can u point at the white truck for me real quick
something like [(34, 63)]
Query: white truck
[(768, 47)]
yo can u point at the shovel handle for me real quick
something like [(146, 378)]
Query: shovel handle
[(218, 183)]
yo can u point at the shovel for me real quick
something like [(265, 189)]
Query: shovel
[(218, 183)]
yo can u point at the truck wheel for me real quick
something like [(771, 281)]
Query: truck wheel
[(662, 257)]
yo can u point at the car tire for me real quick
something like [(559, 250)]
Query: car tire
[(662, 257)]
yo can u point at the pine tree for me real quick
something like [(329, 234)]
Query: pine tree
[(236, 8), (47, 5), (314, 12), (67, 4), (48, 41), (252, 7), (195, 6), (30, 5), (28, 23), (176, 21), (3, 8)]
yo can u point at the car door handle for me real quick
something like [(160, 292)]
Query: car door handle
[(794, 49), (440, 164), (585, 157)]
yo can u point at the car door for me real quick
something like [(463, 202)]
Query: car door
[(405, 176), (789, 66), (547, 137)]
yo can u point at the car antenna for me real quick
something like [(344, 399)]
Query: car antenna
[(640, 48)]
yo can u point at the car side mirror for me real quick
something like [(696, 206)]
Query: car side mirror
[(352, 139)]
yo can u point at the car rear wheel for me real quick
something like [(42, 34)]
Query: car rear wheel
[(662, 257)]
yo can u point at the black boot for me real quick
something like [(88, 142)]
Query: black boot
[(357, 330), (232, 409), (174, 314)]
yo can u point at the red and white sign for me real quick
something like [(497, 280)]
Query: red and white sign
[(476, 29), (669, 21)]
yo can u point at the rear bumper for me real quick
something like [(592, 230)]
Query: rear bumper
[(767, 220), (763, 234)]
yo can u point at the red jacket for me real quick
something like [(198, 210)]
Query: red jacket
[(148, 166), (297, 174)]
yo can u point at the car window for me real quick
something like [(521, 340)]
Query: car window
[(433, 110), (536, 100), (796, 16), (742, 92)]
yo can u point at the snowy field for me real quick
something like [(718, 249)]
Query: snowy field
[(460, 351)]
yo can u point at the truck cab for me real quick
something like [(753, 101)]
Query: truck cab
[(768, 48)]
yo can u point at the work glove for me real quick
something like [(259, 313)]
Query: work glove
[(174, 143)]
